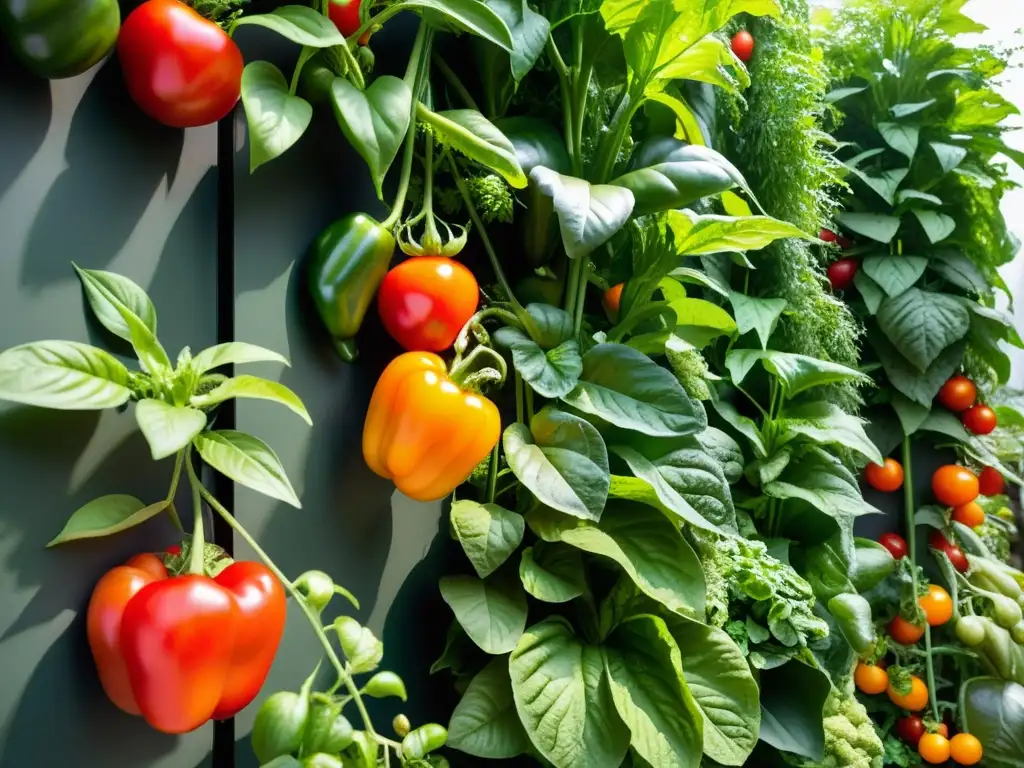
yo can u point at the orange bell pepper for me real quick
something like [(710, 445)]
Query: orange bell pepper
[(422, 431)]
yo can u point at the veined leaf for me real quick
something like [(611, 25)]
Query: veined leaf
[(168, 428), (489, 534), (870, 291), (470, 16), (102, 289), (697, 234), (894, 274), (254, 387), (472, 134), (235, 353), (528, 30), (277, 118), (949, 155), (552, 572), (65, 375), (938, 226), (485, 722), (796, 372), (873, 225), (588, 214), (107, 515), (492, 610), (248, 461), (757, 314), (908, 379), (828, 424), (901, 137), (298, 23), (921, 324)]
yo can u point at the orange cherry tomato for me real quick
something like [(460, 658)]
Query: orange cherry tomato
[(958, 394), (612, 298), (903, 632), (980, 419), (965, 749), (886, 477), (933, 748), (990, 482), (870, 678), (954, 485), (914, 700), (970, 514), (937, 605), (942, 729)]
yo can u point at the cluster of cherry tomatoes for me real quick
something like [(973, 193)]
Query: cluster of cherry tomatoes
[(959, 395)]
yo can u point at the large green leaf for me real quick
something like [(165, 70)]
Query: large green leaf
[(470, 16), (699, 17), (793, 723), (742, 424), (105, 516), (104, 290), (870, 291), (901, 137), (562, 696), (709, 60), (492, 610), (960, 271), (796, 372), (922, 324), (698, 322), (256, 388), (552, 573), (626, 388), (552, 373), (234, 353), (489, 534), (885, 184), (167, 428), (828, 424), (993, 712), (298, 23), (905, 110), (248, 461), (911, 415), (949, 155), (588, 214), (895, 274), (648, 547), (905, 377), (529, 31), (651, 695), (876, 226), (697, 234), (724, 450), (982, 108), (757, 314), (472, 134), (937, 226), (277, 118), (65, 375), (945, 423), (562, 460), (485, 722)]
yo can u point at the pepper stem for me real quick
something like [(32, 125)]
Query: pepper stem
[(460, 372), (197, 559)]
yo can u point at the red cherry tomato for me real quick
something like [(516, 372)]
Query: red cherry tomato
[(956, 556), (958, 394), (905, 633), (345, 15), (181, 69), (841, 273), (979, 419), (743, 45), (895, 543), (843, 243), (425, 301), (827, 236), (990, 482), (885, 477), (910, 729)]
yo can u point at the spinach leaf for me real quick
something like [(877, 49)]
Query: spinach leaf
[(492, 611), (921, 324), (485, 722), (489, 534)]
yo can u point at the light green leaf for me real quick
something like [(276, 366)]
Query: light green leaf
[(796, 372), (485, 722), (489, 534), (841, 93), (873, 225), (949, 155), (922, 324), (552, 573), (696, 277), (529, 33), (64, 375), (472, 134), (246, 460), (756, 314), (552, 373), (374, 121), (698, 322), (105, 516), (277, 118), (688, 127), (254, 387), (828, 424), (562, 460), (235, 353), (709, 60), (167, 428), (960, 271), (651, 695), (470, 16), (628, 389), (904, 110), (588, 215), (908, 379), (696, 234), (702, 17), (894, 274), (903, 138), (938, 226), (298, 23), (911, 415), (104, 290), (978, 109), (492, 611), (870, 291), (563, 700)]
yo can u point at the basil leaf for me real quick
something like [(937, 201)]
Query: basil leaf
[(103, 289), (64, 375), (248, 461), (552, 373), (492, 611), (253, 387), (588, 214), (277, 118), (895, 274), (234, 353), (299, 24), (167, 428), (796, 372), (794, 723), (470, 16), (489, 534), (922, 324), (549, 326), (472, 134), (873, 225), (105, 516), (902, 138), (755, 314), (552, 573), (485, 722)]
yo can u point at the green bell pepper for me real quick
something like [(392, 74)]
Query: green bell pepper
[(825, 571), (60, 38), (347, 263), (853, 615), (872, 563)]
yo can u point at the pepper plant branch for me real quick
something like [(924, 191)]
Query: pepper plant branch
[(454, 81), (197, 557), (173, 490), (304, 55), (458, 372), (581, 296), (519, 398), (492, 474), (567, 106)]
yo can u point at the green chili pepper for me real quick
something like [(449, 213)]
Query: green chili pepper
[(872, 563), (825, 571), (348, 261), (853, 615), (60, 38)]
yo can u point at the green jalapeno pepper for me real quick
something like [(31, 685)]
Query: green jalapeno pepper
[(872, 563), (853, 615), (347, 263), (825, 571), (60, 38)]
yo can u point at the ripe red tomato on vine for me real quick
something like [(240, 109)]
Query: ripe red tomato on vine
[(910, 729), (936, 540), (841, 273), (895, 543), (886, 477), (979, 419), (958, 394), (990, 482), (903, 632), (743, 45), (954, 485)]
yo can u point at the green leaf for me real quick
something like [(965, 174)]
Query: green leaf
[(993, 712), (104, 290), (960, 271), (709, 60), (724, 450), (949, 155), (552, 573), (385, 685), (470, 16), (979, 109), (277, 118), (529, 33), (298, 23), (828, 424), (908, 379), (105, 516), (648, 547), (911, 415), (492, 611), (873, 225), (902, 138), (256, 388), (741, 424), (360, 646), (870, 291), (64, 375), (235, 353), (167, 428), (796, 372), (628, 389), (472, 134), (794, 723), (687, 481), (904, 110), (696, 277), (552, 373), (754, 314), (719, 678), (666, 173), (698, 322), (620, 15), (913, 194), (562, 460), (894, 274), (588, 214), (938, 226), (489, 534), (562, 697), (922, 324), (485, 722), (945, 423), (651, 695), (841, 93), (696, 234), (374, 121), (248, 461), (857, 160), (886, 184)]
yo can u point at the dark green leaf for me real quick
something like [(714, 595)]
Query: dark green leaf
[(489, 534), (894, 274), (949, 155), (960, 271), (107, 515), (472, 134), (741, 424), (104, 289), (485, 722), (796, 372), (922, 324), (536, 142), (725, 451), (167, 428), (549, 325), (588, 214), (248, 461), (492, 611), (903, 110), (938, 226), (64, 375), (828, 424), (794, 723), (993, 712), (470, 16), (911, 415), (529, 32), (913, 194), (905, 377), (870, 291), (902, 138), (945, 423), (277, 118), (553, 373), (885, 184), (299, 24), (873, 225), (931, 516), (552, 573), (755, 314)]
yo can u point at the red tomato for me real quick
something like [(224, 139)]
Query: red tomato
[(979, 419), (425, 301), (990, 482), (905, 633), (956, 556), (895, 543), (958, 394), (345, 15), (843, 243), (910, 729), (743, 45), (181, 69), (885, 477), (841, 273), (827, 236)]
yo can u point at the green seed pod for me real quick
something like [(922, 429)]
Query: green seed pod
[(424, 740)]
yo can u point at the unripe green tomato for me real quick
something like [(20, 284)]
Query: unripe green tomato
[(279, 726), (1017, 633), (424, 740), (1005, 611), (327, 730), (970, 630), (401, 726), (317, 587), (321, 760)]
